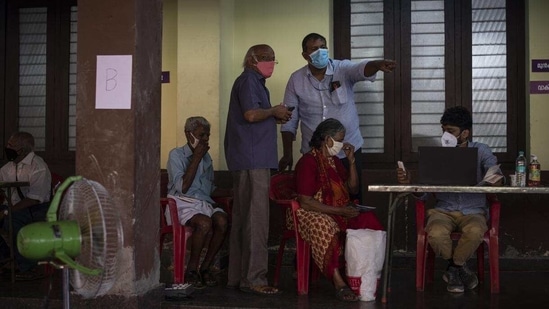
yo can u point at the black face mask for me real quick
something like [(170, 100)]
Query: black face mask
[(11, 154)]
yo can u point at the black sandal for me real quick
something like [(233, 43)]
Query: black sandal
[(193, 277), (346, 294), (208, 278)]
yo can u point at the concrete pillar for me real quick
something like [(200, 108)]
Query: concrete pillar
[(120, 148)]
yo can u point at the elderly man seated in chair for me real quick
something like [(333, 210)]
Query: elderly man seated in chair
[(191, 184), (29, 203)]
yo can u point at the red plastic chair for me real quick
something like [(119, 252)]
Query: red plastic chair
[(56, 181), (226, 202), (180, 234), (425, 256), (282, 192)]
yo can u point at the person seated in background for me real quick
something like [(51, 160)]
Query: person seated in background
[(29, 203), (191, 184), (323, 186), (462, 212)]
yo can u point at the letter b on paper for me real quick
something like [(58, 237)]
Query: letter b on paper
[(113, 89)]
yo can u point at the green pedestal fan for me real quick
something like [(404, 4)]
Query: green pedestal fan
[(82, 232)]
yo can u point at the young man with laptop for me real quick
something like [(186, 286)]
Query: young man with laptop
[(463, 212)]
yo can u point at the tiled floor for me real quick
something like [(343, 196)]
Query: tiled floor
[(519, 289)]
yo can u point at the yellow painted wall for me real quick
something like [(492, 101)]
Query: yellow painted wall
[(212, 37), (204, 43), (538, 23), (198, 64), (282, 25), (169, 90)]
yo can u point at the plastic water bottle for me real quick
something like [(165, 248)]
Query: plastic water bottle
[(520, 169), (534, 172)]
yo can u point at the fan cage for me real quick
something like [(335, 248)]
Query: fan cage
[(90, 205)]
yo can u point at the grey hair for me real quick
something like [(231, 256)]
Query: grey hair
[(195, 122), (329, 127), (251, 52)]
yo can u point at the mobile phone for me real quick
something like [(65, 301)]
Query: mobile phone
[(401, 165), (291, 108)]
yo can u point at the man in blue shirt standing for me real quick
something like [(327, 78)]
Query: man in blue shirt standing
[(251, 152), (191, 185), (324, 89)]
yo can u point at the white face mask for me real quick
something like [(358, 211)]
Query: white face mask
[(335, 149), (196, 140), (448, 140)]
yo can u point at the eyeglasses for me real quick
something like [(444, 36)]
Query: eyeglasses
[(264, 59)]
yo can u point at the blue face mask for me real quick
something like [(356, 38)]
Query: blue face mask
[(319, 58)]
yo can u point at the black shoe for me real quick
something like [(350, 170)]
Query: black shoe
[(469, 279), (454, 282), (445, 274)]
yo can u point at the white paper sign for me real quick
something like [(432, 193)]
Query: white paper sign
[(113, 89)]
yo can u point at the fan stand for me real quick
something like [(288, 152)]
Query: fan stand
[(66, 287)]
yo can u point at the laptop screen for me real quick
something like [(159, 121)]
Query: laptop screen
[(452, 166)]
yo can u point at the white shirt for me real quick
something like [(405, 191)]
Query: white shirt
[(32, 169)]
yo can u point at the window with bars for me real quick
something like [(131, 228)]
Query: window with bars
[(448, 53), (428, 95), (40, 75), (489, 74), (72, 78), (32, 73), (367, 43)]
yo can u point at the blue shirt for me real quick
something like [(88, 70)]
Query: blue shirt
[(250, 145), (203, 183), (470, 203), (316, 101)]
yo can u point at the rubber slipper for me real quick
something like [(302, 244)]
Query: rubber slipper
[(263, 290)]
